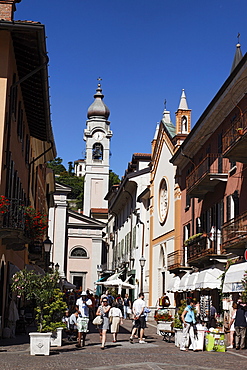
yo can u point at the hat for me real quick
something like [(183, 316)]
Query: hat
[(83, 293)]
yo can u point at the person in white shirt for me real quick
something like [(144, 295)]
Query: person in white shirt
[(116, 318), (82, 306), (139, 317)]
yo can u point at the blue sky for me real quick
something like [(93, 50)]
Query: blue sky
[(145, 51)]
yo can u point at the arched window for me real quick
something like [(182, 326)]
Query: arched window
[(98, 151), (184, 125), (79, 252)]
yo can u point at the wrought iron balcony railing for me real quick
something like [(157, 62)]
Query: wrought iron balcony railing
[(212, 169), (199, 247), (14, 218), (175, 259), (232, 145), (234, 232)]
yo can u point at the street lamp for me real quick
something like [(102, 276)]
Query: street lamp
[(47, 248), (142, 261)]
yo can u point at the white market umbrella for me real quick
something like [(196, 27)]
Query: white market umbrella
[(118, 283)]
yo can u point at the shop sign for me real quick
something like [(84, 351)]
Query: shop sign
[(237, 287)]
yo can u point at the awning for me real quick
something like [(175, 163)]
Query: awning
[(191, 284), (12, 270), (234, 275), (67, 285), (38, 270), (184, 282), (173, 284), (209, 279)]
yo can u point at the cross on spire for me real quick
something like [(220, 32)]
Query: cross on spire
[(165, 103), (238, 37)]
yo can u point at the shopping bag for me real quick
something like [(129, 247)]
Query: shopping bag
[(98, 320)]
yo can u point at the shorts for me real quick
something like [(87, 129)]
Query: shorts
[(140, 323), (82, 324)]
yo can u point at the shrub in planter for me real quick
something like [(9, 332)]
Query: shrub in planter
[(49, 304)]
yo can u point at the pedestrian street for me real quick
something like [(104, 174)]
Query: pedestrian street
[(155, 354)]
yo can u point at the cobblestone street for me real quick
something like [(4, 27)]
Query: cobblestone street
[(156, 354)]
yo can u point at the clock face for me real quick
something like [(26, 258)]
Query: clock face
[(163, 200), (98, 135)]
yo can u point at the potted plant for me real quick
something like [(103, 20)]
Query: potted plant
[(240, 131), (192, 239), (164, 320), (49, 305), (36, 223), (178, 328)]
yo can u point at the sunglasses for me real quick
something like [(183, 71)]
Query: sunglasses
[(105, 301)]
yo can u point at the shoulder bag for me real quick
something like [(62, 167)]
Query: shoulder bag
[(98, 320)]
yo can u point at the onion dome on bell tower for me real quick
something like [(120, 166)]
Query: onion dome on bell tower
[(98, 108)]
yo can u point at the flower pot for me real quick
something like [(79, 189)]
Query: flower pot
[(178, 336), (56, 338), (164, 326), (40, 343)]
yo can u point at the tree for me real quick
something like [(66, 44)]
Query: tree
[(57, 166), (77, 187), (76, 183), (113, 179)]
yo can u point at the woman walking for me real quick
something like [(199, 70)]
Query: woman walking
[(103, 311), (116, 318), (188, 318)]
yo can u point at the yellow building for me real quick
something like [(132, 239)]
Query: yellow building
[(26, 140)]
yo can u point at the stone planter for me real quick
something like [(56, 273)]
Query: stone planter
[(164, 326), (178, 336), (40, 343), (56, 338)]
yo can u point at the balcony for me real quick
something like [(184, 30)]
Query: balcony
[(234, 234), (175, 261), (211, 171), (235, 140), (12, 225), (200, 249)]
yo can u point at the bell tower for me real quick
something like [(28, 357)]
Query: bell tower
[(97, 136), (183, 121)]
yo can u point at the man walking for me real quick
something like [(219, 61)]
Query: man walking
[(82, 306), (127, 306), (139, 318), (240, 325)]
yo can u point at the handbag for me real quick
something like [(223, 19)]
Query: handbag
[(97, 321)]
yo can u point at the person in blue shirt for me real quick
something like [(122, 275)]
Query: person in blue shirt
[(189, 320)]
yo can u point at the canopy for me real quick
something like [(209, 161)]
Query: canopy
[(184, 282), (67, 285), (12, 270), (191, 284), (209, 279), (116, 282), (234, 275), (173, 284), (38, 270)]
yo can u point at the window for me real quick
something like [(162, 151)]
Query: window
[(184, 124), (186, 232), (78, 279), (232, 205), (97, 151), (79, 252)]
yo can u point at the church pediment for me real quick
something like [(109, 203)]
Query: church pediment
[(75, 218), (60, 188)]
